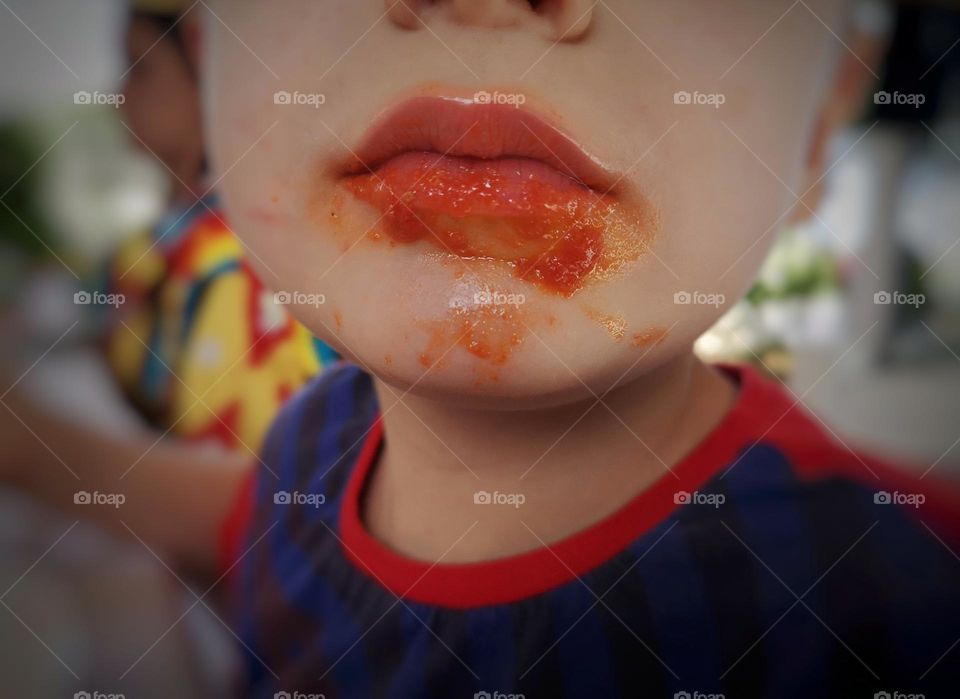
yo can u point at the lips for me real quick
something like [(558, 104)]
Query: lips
[(494, 182), (462, 128)]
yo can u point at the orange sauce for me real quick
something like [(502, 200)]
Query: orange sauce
[(550, 228)]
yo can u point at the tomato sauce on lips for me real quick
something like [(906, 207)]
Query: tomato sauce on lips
[(496, 182), (549, 227)]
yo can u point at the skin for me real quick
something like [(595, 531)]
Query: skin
[(715, 201), (180, 524)]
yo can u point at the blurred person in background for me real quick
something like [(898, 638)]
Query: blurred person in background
[(193, 306), (203, 355), (204, 352)]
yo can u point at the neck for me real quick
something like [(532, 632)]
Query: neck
[(583, 460)]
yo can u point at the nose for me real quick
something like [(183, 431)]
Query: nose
[(562, 20)]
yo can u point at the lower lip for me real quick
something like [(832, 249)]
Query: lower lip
[(550, 228)]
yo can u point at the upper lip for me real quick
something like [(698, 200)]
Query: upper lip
[(464, 128)]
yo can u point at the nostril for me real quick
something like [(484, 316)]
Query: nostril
[(543, 7), (570, 19)]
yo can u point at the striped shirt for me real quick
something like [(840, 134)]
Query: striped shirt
[(776, 563)]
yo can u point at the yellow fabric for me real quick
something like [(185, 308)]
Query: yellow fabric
[(222, 374), (200, 346)]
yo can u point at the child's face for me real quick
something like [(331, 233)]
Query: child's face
[(501, 279)]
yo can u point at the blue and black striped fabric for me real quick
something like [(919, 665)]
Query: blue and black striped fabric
[(798, 586)]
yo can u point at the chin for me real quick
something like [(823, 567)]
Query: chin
[(544, 371)]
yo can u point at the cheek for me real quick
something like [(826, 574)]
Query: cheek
[(722, 218)]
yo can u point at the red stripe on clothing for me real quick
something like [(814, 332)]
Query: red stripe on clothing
[(234, 527), (515, 577)]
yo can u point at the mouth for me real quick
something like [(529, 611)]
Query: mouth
[(495, 182)]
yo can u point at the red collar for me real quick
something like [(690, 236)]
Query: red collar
[(516, 577)]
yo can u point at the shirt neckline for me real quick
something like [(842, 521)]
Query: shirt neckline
[(516, 577)]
